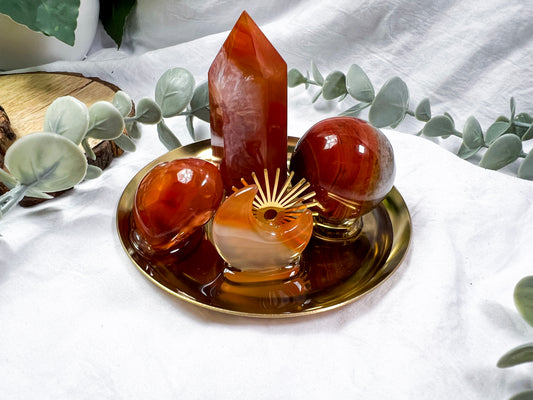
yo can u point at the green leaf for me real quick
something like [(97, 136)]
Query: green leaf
[(466, 152), (523, 297), (496, 130), (358, 84), (38, 194), (472, 134), (512, 105), (518, 355), (526, 168), (174, 91), (7, 179), (105, 121), (334, 85), (295, 78), (317, 76), (200, 102), (423, 111), (68, 117), (125, 143), (504, 150), (190, 126), (132, 127), (390, 105), (167, 137), (437, 126), (93, 172), (354, 111), (113, 15), (527, 395), (60, 167), (122, 102), (89, 152), (57, 18), (147, 112), (317, 96)]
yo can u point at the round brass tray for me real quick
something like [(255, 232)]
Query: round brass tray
[(330, 275)]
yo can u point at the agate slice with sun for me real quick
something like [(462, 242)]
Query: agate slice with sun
[(260, 229)]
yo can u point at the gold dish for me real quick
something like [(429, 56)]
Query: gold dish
[(329, 276)]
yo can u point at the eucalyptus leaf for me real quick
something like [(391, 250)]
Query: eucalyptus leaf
[(358, 84), (316, 96), (200, 102), (528, 134), (451, 118), (518, 355), (295, 78), (496, 130), (317, 76), (105, 121), (526, 168), (132, 127), (502, 118), (56, 18), (31, 192), (190, 126), (423, 110), (523, 131), (503, 151), (167, 137), (125, 143), (354, 111), (527, 395), (390, 105), (60, 167), (334, 85), (472, 133), (122, 102), (523, 297), (465, 152), (89, 152), (512, 105), (7, 179), (148, 112), (93, 172), (113, 15), (174, 91), (437, 126), (68, 117)]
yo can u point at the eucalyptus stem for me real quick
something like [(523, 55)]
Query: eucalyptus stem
[(11, 198)]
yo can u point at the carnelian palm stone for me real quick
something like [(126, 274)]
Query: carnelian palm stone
[(173, 200)]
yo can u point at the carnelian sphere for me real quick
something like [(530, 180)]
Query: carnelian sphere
[(349, 164), (174, 199)]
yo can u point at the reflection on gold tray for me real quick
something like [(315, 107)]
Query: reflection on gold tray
[(329, 276)]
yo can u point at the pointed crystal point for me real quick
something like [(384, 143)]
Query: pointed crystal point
[(248, 104)]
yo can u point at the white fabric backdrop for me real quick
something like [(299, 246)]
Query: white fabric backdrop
[(78, 321)]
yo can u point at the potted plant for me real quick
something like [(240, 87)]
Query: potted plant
[(36, 32)]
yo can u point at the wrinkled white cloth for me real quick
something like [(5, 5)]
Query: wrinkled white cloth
[(78, 320)]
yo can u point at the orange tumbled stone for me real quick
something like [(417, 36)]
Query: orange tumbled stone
[(174, 200), (248, 105)]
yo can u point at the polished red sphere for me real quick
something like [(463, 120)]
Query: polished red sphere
[(349, 164), (173, 200)]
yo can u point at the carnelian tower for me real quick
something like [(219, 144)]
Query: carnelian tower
[(248, 105)]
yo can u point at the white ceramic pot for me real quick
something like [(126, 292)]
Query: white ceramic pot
[(21, 47)]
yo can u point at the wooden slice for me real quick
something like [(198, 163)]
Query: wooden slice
[(24, 99)]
